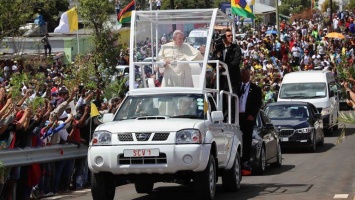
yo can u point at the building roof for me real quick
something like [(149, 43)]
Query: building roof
[(260, 8)]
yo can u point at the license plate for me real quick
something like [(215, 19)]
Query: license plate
[(284, 139), (140, 152)]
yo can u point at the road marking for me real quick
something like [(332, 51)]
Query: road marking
[(341, 196)]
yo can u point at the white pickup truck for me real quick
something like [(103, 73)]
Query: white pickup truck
[(169, 134)]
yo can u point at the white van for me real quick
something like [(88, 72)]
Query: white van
[(316, 87), (197, 37)]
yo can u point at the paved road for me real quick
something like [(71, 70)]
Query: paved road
[(327, 174)]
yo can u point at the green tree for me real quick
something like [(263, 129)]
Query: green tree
[(326, 4), (96, 15), (351, 5), (288, 7), (17, 13), (14, 14)]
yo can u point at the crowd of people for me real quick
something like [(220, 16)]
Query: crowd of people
[(44, 115), (257, 62)]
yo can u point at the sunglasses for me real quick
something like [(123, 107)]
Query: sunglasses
[(229, 35)]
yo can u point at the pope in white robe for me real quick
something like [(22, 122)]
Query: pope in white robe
[(178, 74)]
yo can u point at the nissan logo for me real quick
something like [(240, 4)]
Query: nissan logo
[(142, 136)]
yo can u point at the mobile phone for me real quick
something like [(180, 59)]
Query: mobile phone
[(348, 95)]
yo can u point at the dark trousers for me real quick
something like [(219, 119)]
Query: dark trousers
[(246, 127), (49, 49)]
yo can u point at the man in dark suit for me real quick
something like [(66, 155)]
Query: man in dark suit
[(250, 101), (230, 54)]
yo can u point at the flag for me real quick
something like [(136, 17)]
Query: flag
[(94, 111), (68, 22), (241, 8), (125, 14)]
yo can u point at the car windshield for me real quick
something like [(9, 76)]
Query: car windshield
[(303, 90), (172, 105), (280, 112)]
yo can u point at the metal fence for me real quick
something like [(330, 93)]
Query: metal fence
[(27, 156)]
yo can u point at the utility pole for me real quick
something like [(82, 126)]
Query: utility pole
[(277, 19), (331, 12)]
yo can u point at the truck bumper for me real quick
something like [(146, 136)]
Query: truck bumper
[(172, 158)]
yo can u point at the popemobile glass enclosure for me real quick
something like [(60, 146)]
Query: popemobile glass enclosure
[(177, 44)]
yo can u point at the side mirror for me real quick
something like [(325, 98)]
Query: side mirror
[(318, 116), (269, 126), (107, 117), (217, 116)]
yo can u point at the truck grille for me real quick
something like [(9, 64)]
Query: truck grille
[(128, 137), (160, 136), (125, 137), (286, 132), (161, 159)]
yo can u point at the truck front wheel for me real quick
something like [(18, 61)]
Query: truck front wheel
[(102, 186), (232, 177), (205, 181), (144, 187)]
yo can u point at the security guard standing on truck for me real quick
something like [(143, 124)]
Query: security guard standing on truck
[(231, 54)]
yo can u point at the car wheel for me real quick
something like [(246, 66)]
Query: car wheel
[(144, 187), (102, 186), (232, 177), (313, 146), (260, 168), (278, 162), (205, 181)]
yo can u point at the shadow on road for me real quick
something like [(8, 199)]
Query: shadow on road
[(247, 191), (279, 170)]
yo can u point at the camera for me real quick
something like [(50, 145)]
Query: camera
[(218, 42)]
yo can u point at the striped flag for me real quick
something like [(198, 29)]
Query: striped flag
[(241, 8), (68, 22), (125, 14)]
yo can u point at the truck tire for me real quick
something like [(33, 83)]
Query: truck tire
[(231, 178), (205, 181), (102, 186), (144, 187)]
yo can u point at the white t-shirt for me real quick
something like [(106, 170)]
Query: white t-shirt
[(14, 68)]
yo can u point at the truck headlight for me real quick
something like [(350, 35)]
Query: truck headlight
[(325, 111), (304, 130), (101, 138), (187, 136)]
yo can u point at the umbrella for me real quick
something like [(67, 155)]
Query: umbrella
[(271, 32), (335, 35)]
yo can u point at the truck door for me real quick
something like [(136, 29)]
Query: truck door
[(217, 129)]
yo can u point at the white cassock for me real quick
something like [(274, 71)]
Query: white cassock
[(178, 75)]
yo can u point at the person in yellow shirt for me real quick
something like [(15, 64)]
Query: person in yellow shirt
[(257, 66)]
